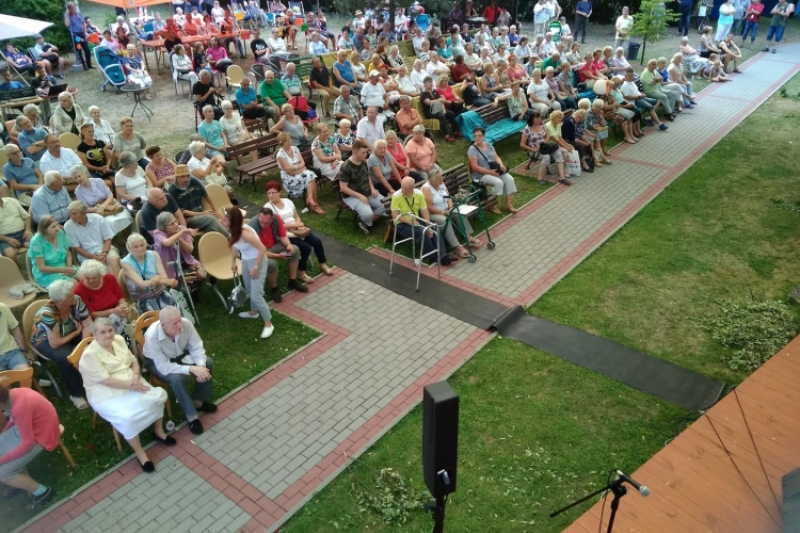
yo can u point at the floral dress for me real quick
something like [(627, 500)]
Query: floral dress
[(611, 115), (341, 140), (326, 146), (295, 185), (533, 140)]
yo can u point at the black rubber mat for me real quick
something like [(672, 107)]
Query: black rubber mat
[(458, 303), (644, 372)]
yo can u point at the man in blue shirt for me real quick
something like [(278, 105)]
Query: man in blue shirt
[(248, 102), (76, 25), (30, 139), (582, 13), (9, 83), (21, 173), (52, 199), (18, 60)]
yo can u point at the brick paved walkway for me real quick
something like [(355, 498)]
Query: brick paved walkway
[(276, 441)]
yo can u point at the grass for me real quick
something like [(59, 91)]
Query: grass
[(525, 421), (714, 235), (238, 355)]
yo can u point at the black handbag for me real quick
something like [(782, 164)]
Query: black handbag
[(548, 148)]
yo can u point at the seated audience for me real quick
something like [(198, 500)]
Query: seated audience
[(21, 174), (98, 199), (596, 124), (272, 234), (676, 74), (172, 351), (117, 392), (383, 169), (51, 199), (31, 138), (487, 168), (158, 202), (651, 84), (407, 117), (357, 189), (213, 133), (440, 208), (293, 126), (200, 165), (345, 138), (32, 427), (15, 229), (421, 152), (296, 178), (90, 236), (248, 103), (206, 94), (129, 140), (245, 243), (103, 296), (95, 154), (346, 106), (189, 194), (667, 85), (169, 233), (49, 253), (130, 182), (410, 200), (19, 60), (67, 117), (145, 277), (554, 137), (58, 327), (574, 133), (631, 92), (102, 128), (57, 158), (401, 159), (160, 171), (370, 128), (715, 71), (325, 152), (517, 103)]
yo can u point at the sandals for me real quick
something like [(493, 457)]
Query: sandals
[(475, 243), (461, 252), (314, 206), (495, 210), (326, 270), (305, 278)]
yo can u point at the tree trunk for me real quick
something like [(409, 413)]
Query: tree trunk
[(644, 47)]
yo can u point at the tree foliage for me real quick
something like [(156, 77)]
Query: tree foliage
[(47, 10), (652, 21)]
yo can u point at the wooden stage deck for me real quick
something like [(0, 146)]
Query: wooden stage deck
[(699, 487)]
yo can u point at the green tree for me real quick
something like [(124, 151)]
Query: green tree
[(652, 21), (48, 10)]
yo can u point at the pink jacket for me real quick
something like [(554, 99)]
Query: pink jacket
[(36, 421)]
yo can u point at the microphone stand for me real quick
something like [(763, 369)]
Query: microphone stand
[(615, 487)]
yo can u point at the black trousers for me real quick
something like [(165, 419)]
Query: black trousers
[(447, 121), (306, 246), (581, 24), (86, 58)]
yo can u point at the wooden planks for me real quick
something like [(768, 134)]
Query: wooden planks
[(723, 473)]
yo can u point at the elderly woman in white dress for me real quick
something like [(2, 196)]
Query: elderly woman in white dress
[(116, 391), (102, 128), (98, 198)]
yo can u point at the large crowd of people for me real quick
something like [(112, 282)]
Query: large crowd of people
[(75, 210)]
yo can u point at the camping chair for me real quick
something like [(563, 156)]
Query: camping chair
[(215, 256), (141, 324), (27, 328), (10, 275), (24, 378), (75, 360), (233, 77), (69, 140), (111, 67)]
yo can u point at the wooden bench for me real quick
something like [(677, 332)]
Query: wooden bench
[(269, 162), (253, 168)]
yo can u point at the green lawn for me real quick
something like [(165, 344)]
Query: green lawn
[(238, 354), (536, 432)]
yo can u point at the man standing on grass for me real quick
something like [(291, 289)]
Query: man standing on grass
[(582, 13)]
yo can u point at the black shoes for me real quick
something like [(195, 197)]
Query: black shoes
[(277, 297), (168, 441), (196, 427), (148, 467), (298, 286), (207, 407)]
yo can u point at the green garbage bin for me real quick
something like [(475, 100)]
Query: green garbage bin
[(633, 51)]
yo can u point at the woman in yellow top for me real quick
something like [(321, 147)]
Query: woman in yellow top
[(116, 391), (552, 130)]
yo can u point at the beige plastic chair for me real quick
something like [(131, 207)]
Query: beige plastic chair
[(3, 161), (215, 256), (220, 197), (234, 75), (69, 140), (29, 267), (137, 222), (141, 324), (27, 329), (75, 360), (10, 275), (24, 378)]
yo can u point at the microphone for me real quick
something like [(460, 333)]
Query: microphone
[(643, 490)]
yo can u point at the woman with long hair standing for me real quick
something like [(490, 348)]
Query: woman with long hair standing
[(244, 242)]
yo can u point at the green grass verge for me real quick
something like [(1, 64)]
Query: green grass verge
[(238, 355), (535, 433), (713, 235)]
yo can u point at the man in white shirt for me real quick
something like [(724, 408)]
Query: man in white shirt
[(436, 68), (370, 128), (418, 75), (373, 93), (173, 351), (405, 85), (90, 236), (58, 158), (548, 45), (645, 104), (359, 22), (417, 40)]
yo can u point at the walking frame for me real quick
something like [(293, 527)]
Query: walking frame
[(459, 221), (183, 285), (417, 221)]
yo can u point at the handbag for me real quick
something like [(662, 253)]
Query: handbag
[(602, 132), (573, 164), (548, 148), (238, 295), (494, 165)]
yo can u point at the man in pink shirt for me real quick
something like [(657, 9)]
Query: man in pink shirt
[(32, 427)]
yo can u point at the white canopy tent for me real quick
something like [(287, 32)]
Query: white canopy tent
[(16, 27)]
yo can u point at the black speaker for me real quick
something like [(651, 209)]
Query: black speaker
[(440, 438)]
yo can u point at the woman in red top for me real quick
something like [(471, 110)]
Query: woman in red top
[(490, 13), (103, 296), (454, 103), (460, 70), (401, 161), (515, 71), (32, 427), (587, 73), (599, 64)]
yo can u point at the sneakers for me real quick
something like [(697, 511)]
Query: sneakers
[(363, 227), (246, 314), (79, 402), (267, 332), (663, 127), (297, 285), (277, 297), (44, 498), (196, 427)]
